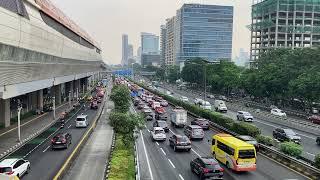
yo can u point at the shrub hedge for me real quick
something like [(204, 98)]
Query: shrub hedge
[(241, 128), (291, 149), (266, 140), (317, 161)]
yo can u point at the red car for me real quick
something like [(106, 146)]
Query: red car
[(100, 94), (314, 119), (150, 103), (94, 105)]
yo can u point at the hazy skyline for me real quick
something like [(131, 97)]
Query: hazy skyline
[(107, 20)]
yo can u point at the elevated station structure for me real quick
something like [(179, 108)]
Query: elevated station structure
[(43, 54)]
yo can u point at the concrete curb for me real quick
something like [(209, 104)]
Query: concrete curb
[(108, 162)]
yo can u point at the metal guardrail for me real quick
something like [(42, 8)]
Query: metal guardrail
[(291, 162)]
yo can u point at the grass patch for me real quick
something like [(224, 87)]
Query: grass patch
[(122, 162)]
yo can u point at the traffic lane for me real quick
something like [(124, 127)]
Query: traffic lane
[(160, 166), (264, 165), (308, 141), (159, 163), (45, 163)]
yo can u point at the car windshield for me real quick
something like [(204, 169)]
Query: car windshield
[(252, 142), (80, 119), (158, 131), (5, 169), (197, 130), (246, 154), (290, 132), (246, 114), (162, 123), (183, 139)]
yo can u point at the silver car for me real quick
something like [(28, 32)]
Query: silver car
[(194, 132), (244, 116)]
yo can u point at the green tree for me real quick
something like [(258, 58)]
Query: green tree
[(173, 73), (120, 95)]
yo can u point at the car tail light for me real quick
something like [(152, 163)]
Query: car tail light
[(63, 141), (10, 173), (205, 170), (52, 140), (221, 169)]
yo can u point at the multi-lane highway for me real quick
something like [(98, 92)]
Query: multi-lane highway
[(308, 140), (157, 160), (45, 163)]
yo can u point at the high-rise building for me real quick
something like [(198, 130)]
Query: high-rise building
[(139, 55), (170, 58), (203, 31), (242, 59), (130, 51), (284, 24), (163, 35), (150, 60), (125, 50), (149, 43)]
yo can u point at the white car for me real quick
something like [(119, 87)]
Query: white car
[(82, 121), (14, 166), (205, 105), (197, 101), (278, 112), (158, 134), (184, 99)]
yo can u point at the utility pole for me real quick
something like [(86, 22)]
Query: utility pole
[(70, 99)]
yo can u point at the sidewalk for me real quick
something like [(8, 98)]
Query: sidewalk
[(9, 136), (91, 162)]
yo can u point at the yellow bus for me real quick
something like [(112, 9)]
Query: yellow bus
[(234, 153)]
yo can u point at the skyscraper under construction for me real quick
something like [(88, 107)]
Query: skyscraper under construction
[(284, 23)]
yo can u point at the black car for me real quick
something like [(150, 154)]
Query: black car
[(180, 142), (61, 140), (206, 167), (286, 135), (162, 124), (136, 102), (250, 140), (318, 140)]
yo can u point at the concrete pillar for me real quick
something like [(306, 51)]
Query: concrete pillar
[(40, 99), (57, 93), (34, 102), (5, 112), (86, 84)]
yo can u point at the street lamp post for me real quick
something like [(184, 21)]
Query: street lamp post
[(70, 99), (19, 126), (54, 107)]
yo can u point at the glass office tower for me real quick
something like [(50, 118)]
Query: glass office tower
[(204, 31)]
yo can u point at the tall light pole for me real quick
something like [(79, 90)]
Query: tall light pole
[(54, 107), (19, 126), (70, 99)]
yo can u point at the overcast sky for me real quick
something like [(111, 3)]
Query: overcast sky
[(107, 20)]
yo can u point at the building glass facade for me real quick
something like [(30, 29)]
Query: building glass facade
[(204, 31), (149, 43)]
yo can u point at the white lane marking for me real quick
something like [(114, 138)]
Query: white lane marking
[(279, 126), (148, 130), (157, 143), (138, 162), (69, 126), (163, 151), (171, 131), (181, 177), (46, 149), (146, 154), (195, 152), (310, 154), (171, 163), (145, 126)]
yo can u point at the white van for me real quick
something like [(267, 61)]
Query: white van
[(220, 106), (205, 105), (179, 117), (82, 121)]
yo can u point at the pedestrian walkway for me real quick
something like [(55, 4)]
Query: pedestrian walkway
[(9, 136), (90, 164)]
